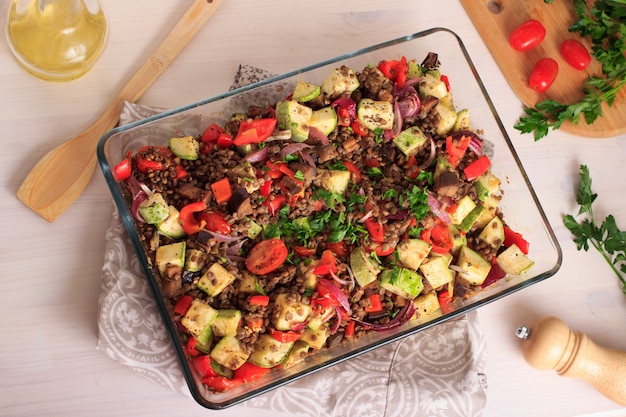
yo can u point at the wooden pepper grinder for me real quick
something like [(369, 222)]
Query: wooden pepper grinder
[(550, 344)]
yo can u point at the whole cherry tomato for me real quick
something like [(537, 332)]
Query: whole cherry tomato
[(543, 74), (575, 54), (527, 35)]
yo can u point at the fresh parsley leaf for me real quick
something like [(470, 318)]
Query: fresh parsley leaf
[(417, 201), (607, 238)]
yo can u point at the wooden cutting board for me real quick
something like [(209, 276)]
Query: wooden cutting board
[(496, 19)]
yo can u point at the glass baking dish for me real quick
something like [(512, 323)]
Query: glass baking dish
[(520, 205)]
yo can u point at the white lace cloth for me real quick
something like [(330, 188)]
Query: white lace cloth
[(437, 372)]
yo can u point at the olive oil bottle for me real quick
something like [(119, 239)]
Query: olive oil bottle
[(56, 40)]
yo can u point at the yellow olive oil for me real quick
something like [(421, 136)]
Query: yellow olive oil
[(56, 40)]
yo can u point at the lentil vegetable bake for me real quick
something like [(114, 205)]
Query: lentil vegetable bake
[(352, 205)]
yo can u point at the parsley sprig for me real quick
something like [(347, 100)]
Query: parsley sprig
[(607, 238), (603, 25)]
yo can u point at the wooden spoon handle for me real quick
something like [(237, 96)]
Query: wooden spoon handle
[(57, 180)]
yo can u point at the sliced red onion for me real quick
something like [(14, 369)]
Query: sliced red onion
[(403, 316), (435, 207), (337, 293), (366, 216), (348, 103), (339, 280), (318, 136), (300, 326), (409, 105), (293, 148), (235, 248), (140, 197), (233, 259), (476, 145), (223, 238), (399, 215), (352, 278), (257, 156), (431, 155), (307, 158), (339, 313)]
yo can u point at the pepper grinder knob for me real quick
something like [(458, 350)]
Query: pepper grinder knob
[(550, 344)]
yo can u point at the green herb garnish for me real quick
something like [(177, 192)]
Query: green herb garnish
[(607, 238)]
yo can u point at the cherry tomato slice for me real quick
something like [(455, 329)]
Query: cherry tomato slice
[(527, 35), (266, 256), (575, 54), (543, 74)]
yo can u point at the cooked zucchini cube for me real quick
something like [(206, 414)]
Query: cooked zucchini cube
[(474, 267), (226, 322), (412, 252), (215, 279), (375, 114), (435, 270), (170, 255), (154, 209), (229, 352), (364, 268), (288, 312), (402, 282), (269, 352), (186, 147), (513, 261), (198, 320)]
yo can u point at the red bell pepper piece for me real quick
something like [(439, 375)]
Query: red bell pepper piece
[(180, 171), (259, 300), (349, 332), (225, 140), (145, 165), (276, 203), (455, 151), (445, 301), (123, 170), (266, 189), (395, 70), (191, 347), (338, 248), (212, 133), (221, 383), (374, 303), (327, 265), (182, 304), (355, 173), (188, 220), (511, 237), (222, 191), (381, 250), (249, 372), (477, 168), (375, 229), (343, 116), (202, 364), (285, 337), (254, 131), (439, 237), (359, 128)]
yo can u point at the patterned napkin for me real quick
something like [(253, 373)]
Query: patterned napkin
[(437, 372)]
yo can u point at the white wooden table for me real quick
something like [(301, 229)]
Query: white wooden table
[(49, 289)]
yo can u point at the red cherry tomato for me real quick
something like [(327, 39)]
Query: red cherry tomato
[(543, 74), (575, 54), (527, 35), (266, 256)]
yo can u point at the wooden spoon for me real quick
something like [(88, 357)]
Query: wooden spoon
[(60, 176)]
